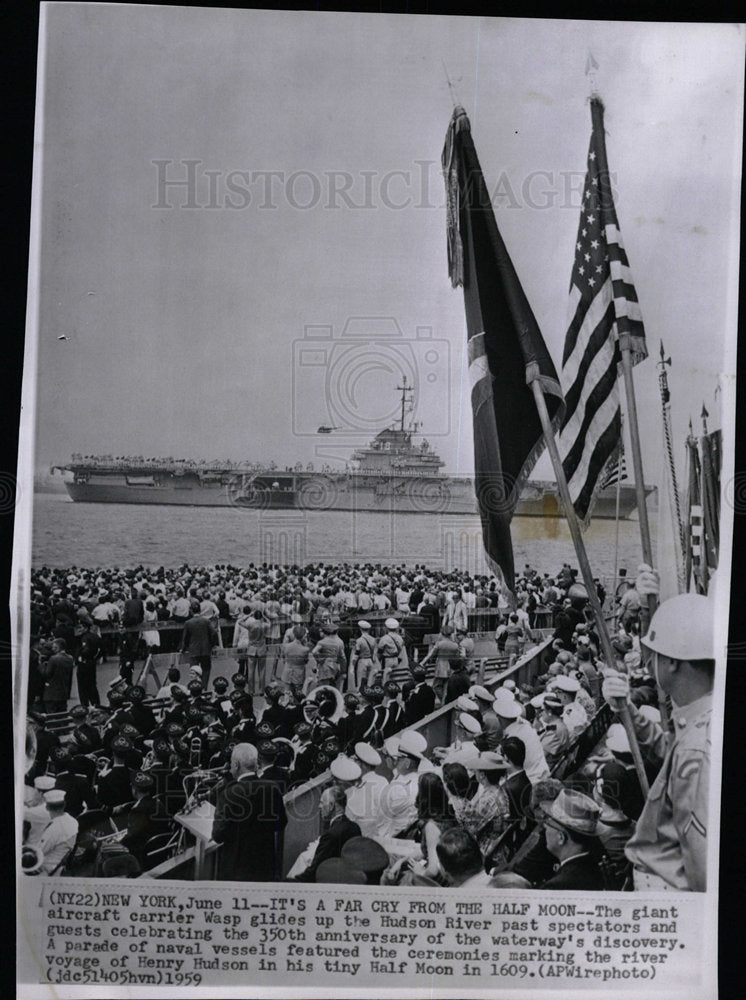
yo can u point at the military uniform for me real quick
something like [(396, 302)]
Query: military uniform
[(669, 846), (555, 739), (365, 664), (329, 653), (391, 652)]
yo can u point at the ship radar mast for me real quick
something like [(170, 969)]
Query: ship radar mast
[(406, 391)]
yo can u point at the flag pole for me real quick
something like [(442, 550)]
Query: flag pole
[(533, 378), (616, 513)]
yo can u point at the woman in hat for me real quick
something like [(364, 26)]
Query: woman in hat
[(487, 816)]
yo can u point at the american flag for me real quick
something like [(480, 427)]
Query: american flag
[(603, 306), (616, 473), (695, 569)]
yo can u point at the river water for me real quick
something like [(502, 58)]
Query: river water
[(96, 534)]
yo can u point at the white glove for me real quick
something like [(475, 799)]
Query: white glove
[(647, 581), (615, 687)]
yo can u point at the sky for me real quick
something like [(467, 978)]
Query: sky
[(299, 268)]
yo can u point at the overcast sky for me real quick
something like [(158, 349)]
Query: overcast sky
[(184, 326)]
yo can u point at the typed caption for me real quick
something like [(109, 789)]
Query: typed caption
[(177, 935)]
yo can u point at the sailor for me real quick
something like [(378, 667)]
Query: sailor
[(58, 839), (398, 801), (490, 724), (35, 812), (391, 650), (363, 799), (466, 729), (553, 732), (510, 716), (669, 846), (364, 662), (345, 771)]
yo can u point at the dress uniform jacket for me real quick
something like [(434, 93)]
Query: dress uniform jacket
[(113, 787), (420, 703), (670, 840), (249, 821), (580, 873), (555, 739), (341, 829)]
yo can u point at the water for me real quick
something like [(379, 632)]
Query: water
[(80, 534)]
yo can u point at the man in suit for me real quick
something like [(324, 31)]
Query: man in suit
[(570, 823), (58, 677), (198, 639), (249, 822), (339, 830)]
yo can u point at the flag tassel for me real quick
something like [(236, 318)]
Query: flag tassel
[(585, 568), (459, 122)]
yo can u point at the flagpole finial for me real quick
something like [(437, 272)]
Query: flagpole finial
[(590, 71), (451, 88)]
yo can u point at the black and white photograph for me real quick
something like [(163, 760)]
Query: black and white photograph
[(376, 484)]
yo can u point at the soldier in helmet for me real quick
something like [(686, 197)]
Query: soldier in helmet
[(668, 849)]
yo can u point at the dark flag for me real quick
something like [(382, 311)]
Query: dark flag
[(603, 307), (504, 346)]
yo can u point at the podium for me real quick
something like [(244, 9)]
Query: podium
[(198, 822)]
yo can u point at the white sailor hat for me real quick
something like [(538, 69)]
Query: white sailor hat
[(469, 723), (412, 743), (55, 796), (650, 712), (367, 754), (509, 685), (364, 624), (489, 760), (345, 769), (503, 699), (509, 709), (391, 623), (538, 699), (391, 746), (616, 738), (44, 783), (466, 704), (565, 683), (480, 692)]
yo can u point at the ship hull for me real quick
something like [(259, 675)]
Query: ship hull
[(334, 492)]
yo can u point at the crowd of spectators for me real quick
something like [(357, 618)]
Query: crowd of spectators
[(489, 808)]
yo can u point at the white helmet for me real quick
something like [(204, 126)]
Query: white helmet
[(682, 628)]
